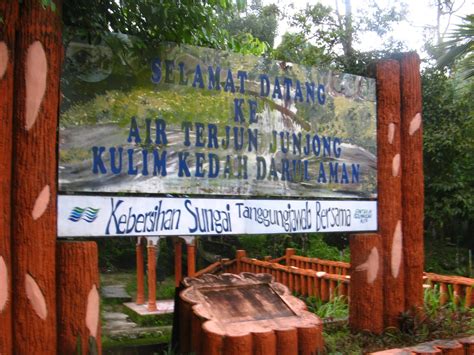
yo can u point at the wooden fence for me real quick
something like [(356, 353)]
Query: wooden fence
[(325, 279)]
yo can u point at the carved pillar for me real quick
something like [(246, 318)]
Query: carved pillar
[(412, 180), (37, 75), (389, 183), (9, 13), (151, 251)]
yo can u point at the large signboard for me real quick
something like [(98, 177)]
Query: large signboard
[(193, 121), (140, 216), (199, 121)]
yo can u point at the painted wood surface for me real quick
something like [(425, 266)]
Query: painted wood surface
[(36, 100), (389, 186), (78, 297), (366, 309), (412, 179), (9, 13)]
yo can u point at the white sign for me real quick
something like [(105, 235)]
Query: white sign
[(104, 216)]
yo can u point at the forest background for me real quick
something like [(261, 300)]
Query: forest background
[(323, 36)]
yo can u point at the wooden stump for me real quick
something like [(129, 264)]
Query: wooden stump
[(9, 13), (389, 189), (245, 314), (37, 74), (468, 344), (78, 297), (366, 306), (412, 180)]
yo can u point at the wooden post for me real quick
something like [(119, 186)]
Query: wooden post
[(191, 250), (366, 308), (78, 298), (9, 13), (37, 74), (412, 180), (140, 272), (289, 252), (389, 189), (178, 259), (239, 254), (151, 251)]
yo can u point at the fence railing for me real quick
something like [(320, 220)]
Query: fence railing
[(325, 279), (455, 288)]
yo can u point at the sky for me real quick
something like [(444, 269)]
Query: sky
[(410, 32)]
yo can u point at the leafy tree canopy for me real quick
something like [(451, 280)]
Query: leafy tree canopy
[(327, 36), (201, 23)]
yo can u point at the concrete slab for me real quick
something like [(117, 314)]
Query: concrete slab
[(114, 316), (164, 307), (115, 291)]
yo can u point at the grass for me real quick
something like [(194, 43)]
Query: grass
[(335, 308), (144, 339)]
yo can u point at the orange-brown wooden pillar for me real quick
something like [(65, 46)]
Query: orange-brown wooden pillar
[(9, 14), (366, 307), (178, 257), (289, 252), (140, 272), (151, 262), (191, 251), (78, 298), (412, 179), (37, 74), (239, 254), (389, 188)]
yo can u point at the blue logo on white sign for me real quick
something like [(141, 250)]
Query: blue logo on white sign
[(88, 214)]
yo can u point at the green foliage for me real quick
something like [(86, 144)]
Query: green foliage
[(319, 248), (459, 48), (258, 21), (447, 259), (326, 36), (200, 23), (335, 308), (448, 145), (116, 253)]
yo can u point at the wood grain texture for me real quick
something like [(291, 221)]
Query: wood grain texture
[(34, 168), (78, 282), (390, 189), (412, 180), (9, 12)]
